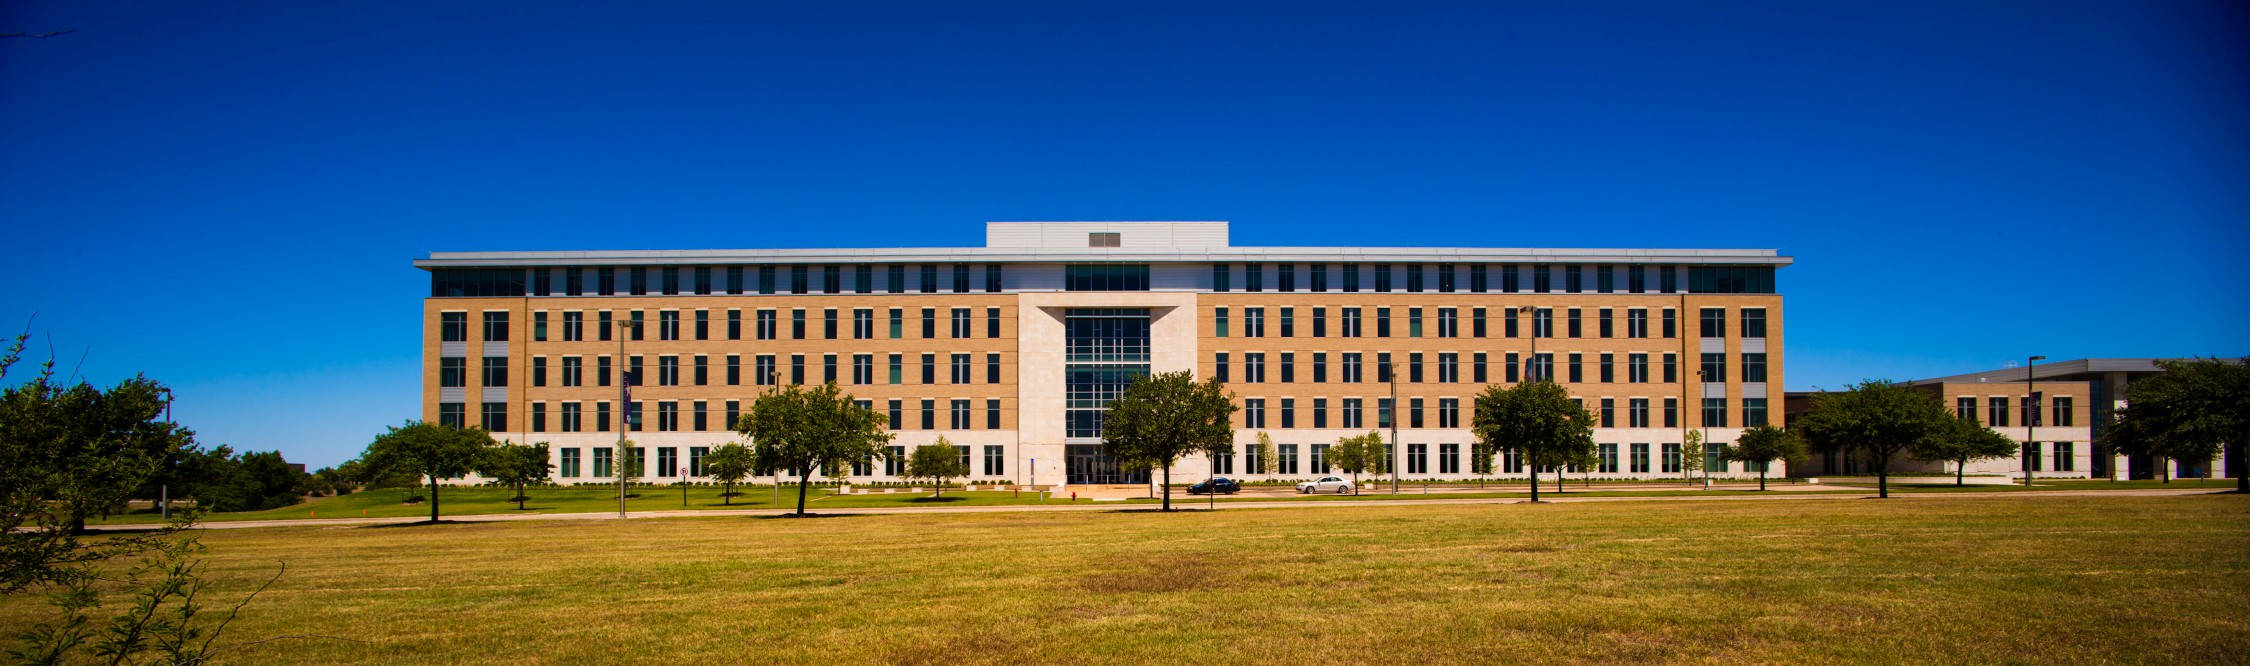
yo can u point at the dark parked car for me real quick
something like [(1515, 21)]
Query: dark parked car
[(1221, 485)]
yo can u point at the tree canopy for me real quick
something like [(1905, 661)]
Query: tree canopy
[(2192, 411), (1538, 420), (427, 450), (936, 461), (805, 429), (1966, 442), (1163, 417), (1878, 420), (516, 466), (729, 464), (1362, 452), (1760, 445)]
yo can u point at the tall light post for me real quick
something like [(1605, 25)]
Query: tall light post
[(1392, 373), (2030, 418), (1705, 426), (1532, 314), (625, 379), (164, 492)]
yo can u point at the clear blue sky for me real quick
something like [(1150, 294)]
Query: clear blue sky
[(226, 196)]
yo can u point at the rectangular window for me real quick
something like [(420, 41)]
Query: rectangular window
[(1382, 278), (1320, 277), (1253, 368), (2066, 457), (1320, 367), (1608, 459), (962, 374), (1348, 323), (1753, 412), (863, 279), (1714, 368), (1351, 278), (1754, 367), (1288, 412), (1714, 323), (992, 323), (1320, 412), (958, 418), (1417, 458), (863, 324), (1253, 277), (963, 327), (1753, 322), (898, 368), (1478, 369), (539, 326), (1286, 276), (570, 463), (992, 414), (1542, 279), (1219, 368), (1609, 413), (702, 370), (1715, 412), (1320, 322), (1219, 322), (1382, 322), (960, 278), (1253, 413), (2065, 417), (734, 324), (495, 371), (1219, 280), (538, 417), (993, 278), (734, 280), (929, 369), (571, 417), (1253, 322), (929, 323), (1449, 412), (496, 327), (1288, 458), (1636, 413), (894, 279), (1577, 368), (766, 373), (1576, 330), (1671, 368), (929, 414), (1352, 417), (863, 369), (495, 417), (1639, 460), (453, 372), (1671, 459), (1671, 324), (1671, 412), (1997, 412), (929, 279), (1288, 322), (1669, 278)]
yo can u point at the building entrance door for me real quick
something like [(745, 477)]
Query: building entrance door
[(1089, 467)]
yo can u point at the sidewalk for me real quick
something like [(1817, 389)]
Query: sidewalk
[(1189, 504)]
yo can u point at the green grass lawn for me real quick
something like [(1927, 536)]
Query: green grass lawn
[(1933, 580), (464, 501)]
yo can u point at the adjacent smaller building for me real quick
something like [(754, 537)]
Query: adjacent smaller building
[(2056, 410)]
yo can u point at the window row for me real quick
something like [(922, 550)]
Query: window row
[(1353, 322), (959, 278), (1351, 413), (699, 416), (1447, 367), (570, 464), (960, 324), (1996, 410), (1636, 458), (764, 370), (1478, 278)]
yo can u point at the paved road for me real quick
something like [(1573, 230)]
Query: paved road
[(1186, 505)]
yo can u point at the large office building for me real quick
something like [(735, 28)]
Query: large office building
[(1012, 350)]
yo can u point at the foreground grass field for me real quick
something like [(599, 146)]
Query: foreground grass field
[(467, 501), (1925, 580)]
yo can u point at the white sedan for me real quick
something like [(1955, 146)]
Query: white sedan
[(1326, 484)]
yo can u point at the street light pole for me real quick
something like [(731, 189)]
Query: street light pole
[(625, 380), (1705, 426), (1395, 450), (2030, 417)]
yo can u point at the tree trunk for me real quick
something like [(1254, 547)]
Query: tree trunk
[(1535, 484), (1761, 480), (433, 498), (729, 499), (1167, 487), (2241, 468), (519, 497), (1960, 469), (1883, 477), (1355, 484), (803, 479), (2164, 467)]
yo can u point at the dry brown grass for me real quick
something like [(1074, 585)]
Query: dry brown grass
[(1929, 580)]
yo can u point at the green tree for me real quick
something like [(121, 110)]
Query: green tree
[(428, 451), (1356, 453), (729, 464), (516, 467), (1966, 442), (1760, 445), (1877, 420), (1691, 455), (2192, 411), (1536, 419), (1265, 455), (936, 461), (1163, 417), (804, 429)]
